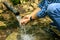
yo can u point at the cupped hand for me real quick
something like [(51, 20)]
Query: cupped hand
[(25, 20)]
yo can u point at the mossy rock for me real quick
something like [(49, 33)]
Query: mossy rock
[(9, 20), (12, 36)]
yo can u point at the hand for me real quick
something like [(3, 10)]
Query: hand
[(25, 20)]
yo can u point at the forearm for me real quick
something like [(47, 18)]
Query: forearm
[(34, 13)]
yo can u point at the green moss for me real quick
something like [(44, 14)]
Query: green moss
[(1, 18), (13, 24), (15, 2)]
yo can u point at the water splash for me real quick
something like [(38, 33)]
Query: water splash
[(26, 37), (23, 34)]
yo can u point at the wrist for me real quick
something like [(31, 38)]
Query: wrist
[(31, 19)]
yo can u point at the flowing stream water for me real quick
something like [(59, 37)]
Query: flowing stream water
[(23, 30)]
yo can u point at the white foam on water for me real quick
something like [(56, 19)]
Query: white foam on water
[(26, 37)]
